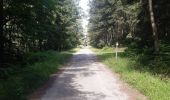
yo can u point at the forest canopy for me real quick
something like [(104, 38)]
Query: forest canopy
[(142, 26), (37, 25), (117, 20)]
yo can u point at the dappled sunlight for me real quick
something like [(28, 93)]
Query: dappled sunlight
[(79, 77), (135, 73)]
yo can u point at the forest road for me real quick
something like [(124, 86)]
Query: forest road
[(86, 78)]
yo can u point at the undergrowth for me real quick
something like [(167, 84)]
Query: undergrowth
[(152, 83), (23, 79)]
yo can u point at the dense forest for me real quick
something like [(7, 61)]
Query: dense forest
[(36, 37), (37, 25), (141, 25)]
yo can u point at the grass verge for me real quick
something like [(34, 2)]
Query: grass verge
[(155, 87), (23, 80)]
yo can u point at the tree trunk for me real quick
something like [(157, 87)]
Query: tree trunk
[(1, 35), (107, 39), (111, 39), (154, 28)]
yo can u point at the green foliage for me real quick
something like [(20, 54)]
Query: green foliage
[(154, 63), (29, 27), (112, 20), (37, 25), (118, 20), (128, 22), (22, 81), (155, 85)]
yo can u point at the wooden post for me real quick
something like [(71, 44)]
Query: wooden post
[(116, 49)]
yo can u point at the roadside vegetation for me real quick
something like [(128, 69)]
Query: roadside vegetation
[(29, 29), (35, 39), (142, 27), (19, 81), (144, 77)]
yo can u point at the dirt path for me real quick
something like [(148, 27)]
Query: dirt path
[(85, 78)]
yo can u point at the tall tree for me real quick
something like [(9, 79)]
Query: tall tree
[(37, 25), (154, 28)]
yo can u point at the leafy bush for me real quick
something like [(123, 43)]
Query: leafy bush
[(23, 80), (148, 74)]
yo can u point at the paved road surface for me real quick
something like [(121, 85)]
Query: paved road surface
[(85, 78)]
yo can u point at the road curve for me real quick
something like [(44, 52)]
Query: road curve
[(85, 78)]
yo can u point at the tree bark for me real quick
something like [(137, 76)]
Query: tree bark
[(154, 28), (1, 34)]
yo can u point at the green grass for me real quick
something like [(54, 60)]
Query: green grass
[(155, 87), (21, 81)]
